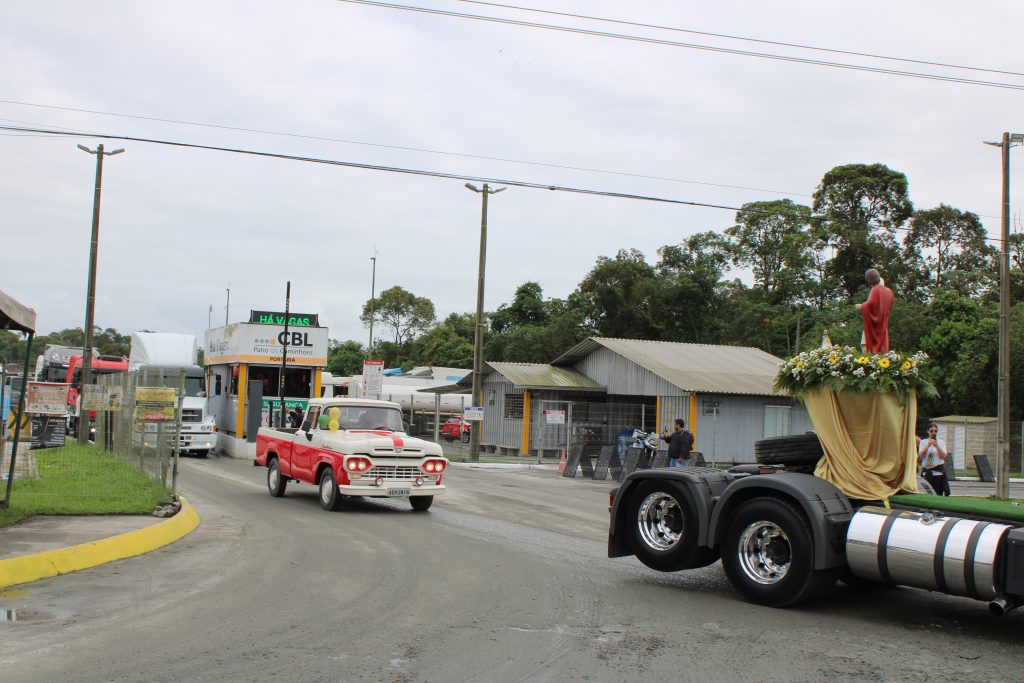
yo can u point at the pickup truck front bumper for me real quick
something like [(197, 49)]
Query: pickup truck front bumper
[(391, 489)]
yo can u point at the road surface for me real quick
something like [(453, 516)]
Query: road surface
[(505, 580)]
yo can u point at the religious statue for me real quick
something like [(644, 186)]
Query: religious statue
[(875, 312)]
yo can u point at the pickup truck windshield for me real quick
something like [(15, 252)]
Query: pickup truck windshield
[(365, 417)]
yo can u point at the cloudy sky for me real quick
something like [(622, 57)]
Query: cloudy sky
[(365, 84)]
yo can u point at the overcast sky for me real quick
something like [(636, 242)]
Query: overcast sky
[(179, 225)]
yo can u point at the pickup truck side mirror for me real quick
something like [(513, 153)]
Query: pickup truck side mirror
[(309, 436)]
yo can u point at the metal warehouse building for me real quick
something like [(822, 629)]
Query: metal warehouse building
[(603, 388)]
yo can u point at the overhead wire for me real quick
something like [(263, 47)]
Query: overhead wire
[(692, 46), (397, 169), (763, 41), (404, 148)]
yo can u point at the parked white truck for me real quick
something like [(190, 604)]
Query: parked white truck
[(168, 354)]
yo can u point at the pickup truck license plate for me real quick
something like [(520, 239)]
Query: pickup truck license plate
[(398, 492)]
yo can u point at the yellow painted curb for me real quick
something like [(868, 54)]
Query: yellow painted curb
[(18, 570)]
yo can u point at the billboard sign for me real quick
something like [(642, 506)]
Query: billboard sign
[(47, 398)]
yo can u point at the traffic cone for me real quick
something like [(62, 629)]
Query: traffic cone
[(561, 464)]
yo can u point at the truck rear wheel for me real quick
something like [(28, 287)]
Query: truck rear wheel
[(275, 482), (330, 499), (662, 523), (421, 503), (768, 554)]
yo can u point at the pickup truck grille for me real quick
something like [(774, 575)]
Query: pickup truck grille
[(400, 472), (411, 452)]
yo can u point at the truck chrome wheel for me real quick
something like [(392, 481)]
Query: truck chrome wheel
[(764, 552), (660, 521), (327, 491)]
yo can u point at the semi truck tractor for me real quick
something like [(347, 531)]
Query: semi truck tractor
[(786, 536)]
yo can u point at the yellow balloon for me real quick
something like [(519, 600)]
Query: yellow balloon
[(335, 413), (333, 425)]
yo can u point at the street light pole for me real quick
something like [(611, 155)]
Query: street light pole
[(90, 300), (1003, 401), (373, 305), (478, 336)]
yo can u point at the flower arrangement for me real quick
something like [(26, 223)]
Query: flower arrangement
[(846, 368)]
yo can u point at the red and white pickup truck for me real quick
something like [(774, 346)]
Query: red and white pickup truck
[(352, 447)]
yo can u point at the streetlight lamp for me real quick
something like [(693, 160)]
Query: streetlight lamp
[(1003, 402), (478, 337), (90, 300)]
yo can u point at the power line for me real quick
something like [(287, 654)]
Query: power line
[(317, 138), (376, 167), (692, 46), (743, 38), (399, 169)]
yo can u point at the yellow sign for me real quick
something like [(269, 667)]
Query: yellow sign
[(155, 404)]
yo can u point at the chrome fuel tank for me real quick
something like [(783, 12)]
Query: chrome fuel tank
[(927, 550)]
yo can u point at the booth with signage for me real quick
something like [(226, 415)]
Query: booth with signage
[(244, 363)]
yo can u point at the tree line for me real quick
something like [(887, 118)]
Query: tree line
[(806, 265)]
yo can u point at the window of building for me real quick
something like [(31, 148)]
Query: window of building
[(777, 421), (514, 406)]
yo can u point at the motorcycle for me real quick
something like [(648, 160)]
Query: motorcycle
[(648, 442)]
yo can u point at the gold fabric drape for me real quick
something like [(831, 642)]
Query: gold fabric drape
[(868, 439)]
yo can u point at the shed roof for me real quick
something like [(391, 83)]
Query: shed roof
[(969, 419), (15, 315), (701, 368), (540, 376)]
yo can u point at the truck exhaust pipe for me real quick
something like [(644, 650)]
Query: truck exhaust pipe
[(1003, 604)]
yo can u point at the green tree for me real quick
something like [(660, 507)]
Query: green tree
[(615, 296), (345, 358), (858, 208), (527, 308), (772, 239), (685, 297), (401, 310), (448, 344), (947, 248)]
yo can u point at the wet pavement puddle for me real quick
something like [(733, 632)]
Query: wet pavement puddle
[(23, 615)]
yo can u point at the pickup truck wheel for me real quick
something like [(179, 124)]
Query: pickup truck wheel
[(662, 527), (330, 499), (465, 437), (421, 503), (768, 554), (275, 482)]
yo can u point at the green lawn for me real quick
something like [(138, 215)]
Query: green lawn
[(80, 480), (990, 507)]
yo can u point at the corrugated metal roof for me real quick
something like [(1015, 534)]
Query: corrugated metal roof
[(542, 376), (971, 419), (700, 368)]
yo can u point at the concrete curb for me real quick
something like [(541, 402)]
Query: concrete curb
[(18, 570)]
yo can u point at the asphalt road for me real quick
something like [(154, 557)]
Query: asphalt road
[(505, 580)]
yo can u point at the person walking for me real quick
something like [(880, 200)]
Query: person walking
[(931, 456), (680, 443)]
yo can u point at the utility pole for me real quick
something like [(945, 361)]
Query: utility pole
[(478, 337), (1003, 402), (90, 299), (373, 304), (227, 306)]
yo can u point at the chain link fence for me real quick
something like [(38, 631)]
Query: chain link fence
[(135, 419)]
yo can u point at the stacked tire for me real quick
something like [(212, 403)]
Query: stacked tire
[(798, 452)]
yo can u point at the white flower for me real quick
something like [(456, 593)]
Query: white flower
[(859, 372)]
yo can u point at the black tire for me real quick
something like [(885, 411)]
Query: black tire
[(661, 520), (330, 499), (768, 554), (276, 484), (421, 503), (465, 437), (796, 449)]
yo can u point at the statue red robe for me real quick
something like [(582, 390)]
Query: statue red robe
[(875, 312)]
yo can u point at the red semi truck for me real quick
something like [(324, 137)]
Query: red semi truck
[(101, 365), (349, 448)]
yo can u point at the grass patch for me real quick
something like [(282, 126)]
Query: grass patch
[(81, 480), (988, 507)]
